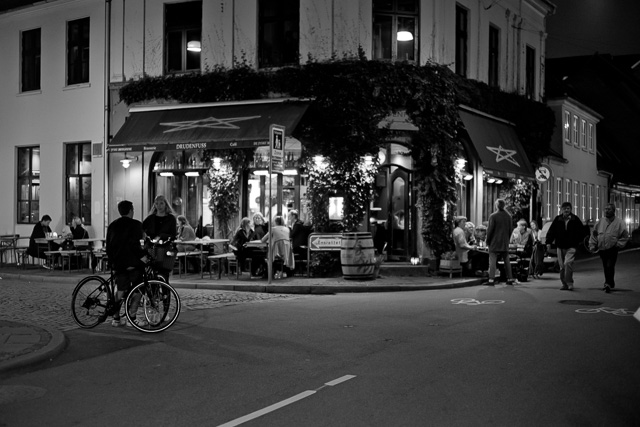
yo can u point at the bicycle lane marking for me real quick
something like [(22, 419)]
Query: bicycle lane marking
[(614, 311), (284, 403), (472, 301)]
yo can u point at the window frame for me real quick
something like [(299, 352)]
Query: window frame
[(33, 185), (493, 78), (287, 20), (78, 59), (574, 129), (84, 177), (30, 60), (399, 19), (462, 41), (590, 137), (566, 130), (530, 72), (583, 134), (184, 32)]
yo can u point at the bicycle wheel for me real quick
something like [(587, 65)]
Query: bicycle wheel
[(158, 306), (90, 300)]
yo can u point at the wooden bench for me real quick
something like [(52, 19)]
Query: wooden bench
[(181, 258)]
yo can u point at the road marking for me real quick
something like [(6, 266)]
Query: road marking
[(614, 311), (283, 403), (472, 301)]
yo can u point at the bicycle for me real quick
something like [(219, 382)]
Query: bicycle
[(94, 300)]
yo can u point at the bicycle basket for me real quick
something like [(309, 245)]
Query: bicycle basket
[(164, 257)]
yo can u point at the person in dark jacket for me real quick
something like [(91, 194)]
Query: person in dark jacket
[(126, 254), (40, 231), (299, 234), (567, 231), (498, 234), (161, 224)]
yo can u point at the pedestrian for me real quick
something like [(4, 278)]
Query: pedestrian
[(567, 231), (498, 234), (127, 258), (161, 224), (536, 264), (464, 249), (609, 236)]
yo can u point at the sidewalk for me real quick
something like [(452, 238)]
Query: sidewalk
[(23, 344)]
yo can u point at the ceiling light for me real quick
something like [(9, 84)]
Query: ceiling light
[(194, 46), (192, 173), (290, 172), (468, 177), (166, 173), (404, 36)]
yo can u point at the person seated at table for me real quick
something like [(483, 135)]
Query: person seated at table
[(521, 238), (281, 245), (244, 234), (464, 250), (185, 232), (40, 231), (260, 226), (75, 229)]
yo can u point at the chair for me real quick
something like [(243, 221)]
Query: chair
[(302, 261), (8, 247)]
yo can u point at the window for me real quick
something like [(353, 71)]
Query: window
[(576, 206), (494, 56), (597, 201), (30, 60), (530, 73), (278, 33), (462, 41), (566, 125), (78, 179), (583, 201), (28, 185), (548, 192), (574, 130), (558, 194), (583, 134), (395, 29), (590, 144), (78, 51), (183, 28), (590, 200)]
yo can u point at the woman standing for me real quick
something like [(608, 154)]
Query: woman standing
[(537, 256), (161, 224)]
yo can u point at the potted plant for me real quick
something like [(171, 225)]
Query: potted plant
[(449, 261)]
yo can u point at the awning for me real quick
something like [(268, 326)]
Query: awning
[(206, 126), (495, 143)]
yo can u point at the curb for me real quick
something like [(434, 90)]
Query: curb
[(55, 346)]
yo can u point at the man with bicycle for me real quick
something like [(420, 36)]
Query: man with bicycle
[(609, 235), (126, 255)]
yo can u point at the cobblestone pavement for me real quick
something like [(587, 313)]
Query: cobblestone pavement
[(50, 303)]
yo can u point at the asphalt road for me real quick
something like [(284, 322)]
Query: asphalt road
[(529, 355)]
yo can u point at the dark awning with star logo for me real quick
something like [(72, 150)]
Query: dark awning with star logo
[(495, 143), (206, 126)]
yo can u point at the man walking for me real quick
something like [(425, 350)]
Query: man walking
[(498, 234), (609, 235), (567, 231)]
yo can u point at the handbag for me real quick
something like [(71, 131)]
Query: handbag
[(164, 257)]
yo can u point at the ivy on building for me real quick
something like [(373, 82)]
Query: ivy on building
[(348, 100)]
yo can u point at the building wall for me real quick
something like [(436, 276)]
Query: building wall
[(54, 115)]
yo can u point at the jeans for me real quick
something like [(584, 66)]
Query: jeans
[(609, 258), (565, 260), (493, 260)]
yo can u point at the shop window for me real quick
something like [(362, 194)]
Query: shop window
[(530, 73), (395, 30), (183, 29), (78, 51), (78, 179), (462, 41), (494, 56), (30, 60), (28, 185), (278, 33)]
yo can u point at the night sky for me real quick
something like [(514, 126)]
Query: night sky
[(583, 27)]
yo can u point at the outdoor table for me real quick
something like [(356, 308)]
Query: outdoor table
[(201, 243), (47, 241), (90, 244)]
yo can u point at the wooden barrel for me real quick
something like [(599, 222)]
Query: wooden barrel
[(357, 256)]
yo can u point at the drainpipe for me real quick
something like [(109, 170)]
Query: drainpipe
[(107, 111)]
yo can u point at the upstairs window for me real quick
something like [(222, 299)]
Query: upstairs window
[(28, 185), (78, 52), (30, 60), (462, 41), (278, 33), (395, 30), (583, 134), (183, 29), (78, 175), (530, 73), (494, 56), (574, 130), (566, 126), (590, 137)]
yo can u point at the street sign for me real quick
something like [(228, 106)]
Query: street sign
[(325, 242), (276, 137), (543, 173)]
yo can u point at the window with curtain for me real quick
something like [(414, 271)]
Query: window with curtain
[(28, 185), (30, 60), (78, 51), (462, 40), (78, 181), (494, 56), (278, 33), (183, 30), (395, 30)]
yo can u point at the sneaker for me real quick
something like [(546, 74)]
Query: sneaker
[(607, 289), (118, 322), (512, 282), (564, 288), (140, 322), (491, 282)]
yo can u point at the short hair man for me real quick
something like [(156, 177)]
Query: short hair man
[(498, 234), (126, 254), (609, 236), (567, 231)]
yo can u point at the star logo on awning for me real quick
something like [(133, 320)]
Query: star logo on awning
[(210, 122), (504, 154)]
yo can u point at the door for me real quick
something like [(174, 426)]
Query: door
[(400, 235)]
